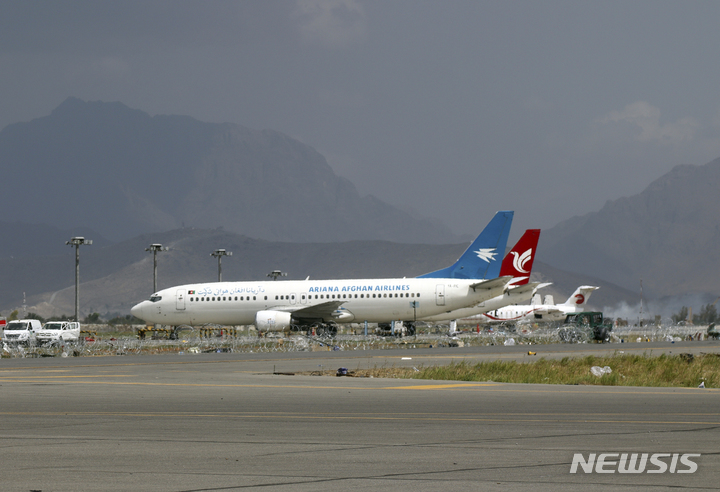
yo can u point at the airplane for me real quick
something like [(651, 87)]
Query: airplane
[(322, 304), (517, 264), (537, 312)]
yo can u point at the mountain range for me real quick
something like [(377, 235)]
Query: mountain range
[(122, 173), (667, 236)]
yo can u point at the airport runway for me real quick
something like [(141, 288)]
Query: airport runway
[(225, 422)]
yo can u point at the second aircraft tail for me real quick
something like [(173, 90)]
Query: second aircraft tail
[(519, 261)]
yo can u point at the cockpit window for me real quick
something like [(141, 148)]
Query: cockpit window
[(155, 298)]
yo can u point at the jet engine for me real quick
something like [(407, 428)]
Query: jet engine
[(272, 321)]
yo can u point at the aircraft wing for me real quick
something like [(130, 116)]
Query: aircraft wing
[(492, 284), (325, 310)]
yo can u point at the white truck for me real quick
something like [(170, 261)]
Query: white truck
[(21, 331), (59, 331)]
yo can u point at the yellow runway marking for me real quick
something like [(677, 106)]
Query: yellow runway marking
[(442, 386), (371, 417)]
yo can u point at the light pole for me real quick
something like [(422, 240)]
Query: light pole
[(155, 248), (77, 241), (219, 253), (276, 273)]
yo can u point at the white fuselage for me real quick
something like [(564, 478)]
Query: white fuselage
[(529, 313), (371, 300), (495, 303)]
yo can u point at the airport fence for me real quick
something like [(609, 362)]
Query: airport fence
[(206, 340)]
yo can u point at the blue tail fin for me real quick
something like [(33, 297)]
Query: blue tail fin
[(482, 260)]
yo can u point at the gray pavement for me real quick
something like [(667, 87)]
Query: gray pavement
[(226, 422)]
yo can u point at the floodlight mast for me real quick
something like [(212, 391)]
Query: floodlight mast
[(155, 248), (219, 253), (77, 241)]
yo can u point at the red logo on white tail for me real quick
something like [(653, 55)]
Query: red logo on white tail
[(580, 299)]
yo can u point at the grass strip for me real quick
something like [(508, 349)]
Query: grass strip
[(684, 370)]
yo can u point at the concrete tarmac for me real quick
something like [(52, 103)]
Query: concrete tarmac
[(202, 422)]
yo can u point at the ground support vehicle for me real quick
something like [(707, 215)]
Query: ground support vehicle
[(54, 332), (21, 331)]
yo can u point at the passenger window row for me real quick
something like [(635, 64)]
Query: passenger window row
[(304, 297), (223, 298), (350, 296)]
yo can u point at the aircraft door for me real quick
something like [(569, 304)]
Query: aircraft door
[(180, 300), (293, 298), (303, 298), (440, 294)]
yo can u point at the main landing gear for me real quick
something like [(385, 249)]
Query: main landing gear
[(323, 329)]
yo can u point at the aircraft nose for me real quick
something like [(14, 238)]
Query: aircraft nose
[(138, 310)]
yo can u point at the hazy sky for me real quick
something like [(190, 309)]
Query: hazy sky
[(454, 109)]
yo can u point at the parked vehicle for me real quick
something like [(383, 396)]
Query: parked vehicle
[(59, 331), (585, 326), (21, 331)]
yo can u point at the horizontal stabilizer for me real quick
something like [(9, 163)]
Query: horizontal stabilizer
[(492, 284), (521, 289)]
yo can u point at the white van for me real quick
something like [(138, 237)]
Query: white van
[(21, 331), (59, 331)]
